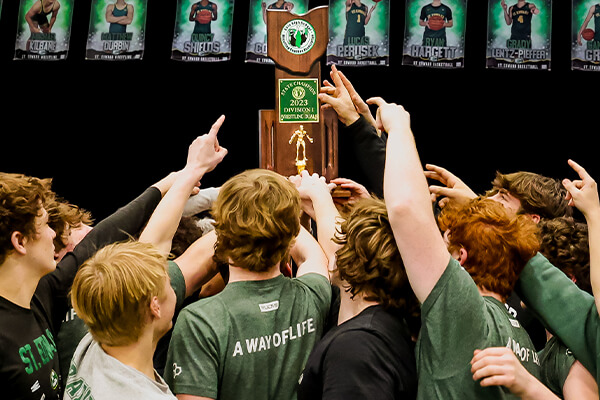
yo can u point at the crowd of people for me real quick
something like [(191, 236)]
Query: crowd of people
[(412, 286)]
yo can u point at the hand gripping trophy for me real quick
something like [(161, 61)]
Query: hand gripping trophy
[(299, 135)]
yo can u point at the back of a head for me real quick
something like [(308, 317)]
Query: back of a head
[(21, 200), (257, 217), (369, 260), (538, 194), (498, 243), (112, 290), (564, 242)]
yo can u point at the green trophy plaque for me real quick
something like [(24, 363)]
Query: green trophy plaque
[(298, 135)]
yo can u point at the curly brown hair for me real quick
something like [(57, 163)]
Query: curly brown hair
[(64, 216), (498, 244), (564, 242), (257, 217), (369, 260), (22, 199)]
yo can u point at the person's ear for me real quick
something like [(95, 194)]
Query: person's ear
[(462, 256), (18, 241), (535, 217), (155, 307)]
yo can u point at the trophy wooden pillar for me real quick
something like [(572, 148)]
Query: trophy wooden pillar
[(298, 135)]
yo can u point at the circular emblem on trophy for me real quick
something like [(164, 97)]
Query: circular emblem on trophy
[(298, 92), (298, 36)]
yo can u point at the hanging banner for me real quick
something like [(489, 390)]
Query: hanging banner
[(44, 29), (203, 30), (434, 33), (585, 46), (117, 30), (519, 34), (359, 32), (256, 42)]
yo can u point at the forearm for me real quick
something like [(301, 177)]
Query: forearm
[(536, 390), (197, 264), (369, 149), (567, 311), (411, 216), (164, 221), (405, 186), (308, 255), (327, 219)]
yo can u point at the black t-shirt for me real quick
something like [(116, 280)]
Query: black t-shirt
[(29, 362), (370, 356)]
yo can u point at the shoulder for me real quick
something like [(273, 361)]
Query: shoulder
[(314, 283), (311, 279), (455, 287)]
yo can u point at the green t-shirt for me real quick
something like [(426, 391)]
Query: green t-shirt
[(249, 341), (455, 321), (556, 361)]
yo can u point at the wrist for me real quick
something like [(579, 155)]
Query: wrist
[(350, 119)]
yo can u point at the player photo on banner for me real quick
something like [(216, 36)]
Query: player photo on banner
[(359, 32), (585, 48), (256, 42), (519, 34), (203, 30), (117, 30), (44, 29), (434, 33)]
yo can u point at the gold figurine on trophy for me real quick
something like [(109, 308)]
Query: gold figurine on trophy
[(300, 134)]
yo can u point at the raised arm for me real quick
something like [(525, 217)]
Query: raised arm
[(203, 156), (197, 264), (308, 255), (318, 203), (408, 202), (583, 194), (359, 131)]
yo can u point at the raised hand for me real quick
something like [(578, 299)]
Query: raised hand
[(453, 188)]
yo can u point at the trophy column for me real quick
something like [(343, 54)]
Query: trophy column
[(298, 135)]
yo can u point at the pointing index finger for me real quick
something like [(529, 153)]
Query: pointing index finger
[(580, 170), (216, 126)]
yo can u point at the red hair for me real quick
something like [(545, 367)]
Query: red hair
[(498, 244)]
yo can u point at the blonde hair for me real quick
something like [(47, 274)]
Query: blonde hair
[(257, 217), (112, 291)]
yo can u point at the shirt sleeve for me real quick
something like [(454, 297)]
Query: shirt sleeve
[(369, 153), (320, 287), (453, 322), (192, 365), (565, 310), (177, 283)]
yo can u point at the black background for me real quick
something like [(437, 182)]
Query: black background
[(106, 130)]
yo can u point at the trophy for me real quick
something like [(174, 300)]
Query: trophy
[(298, 135)]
